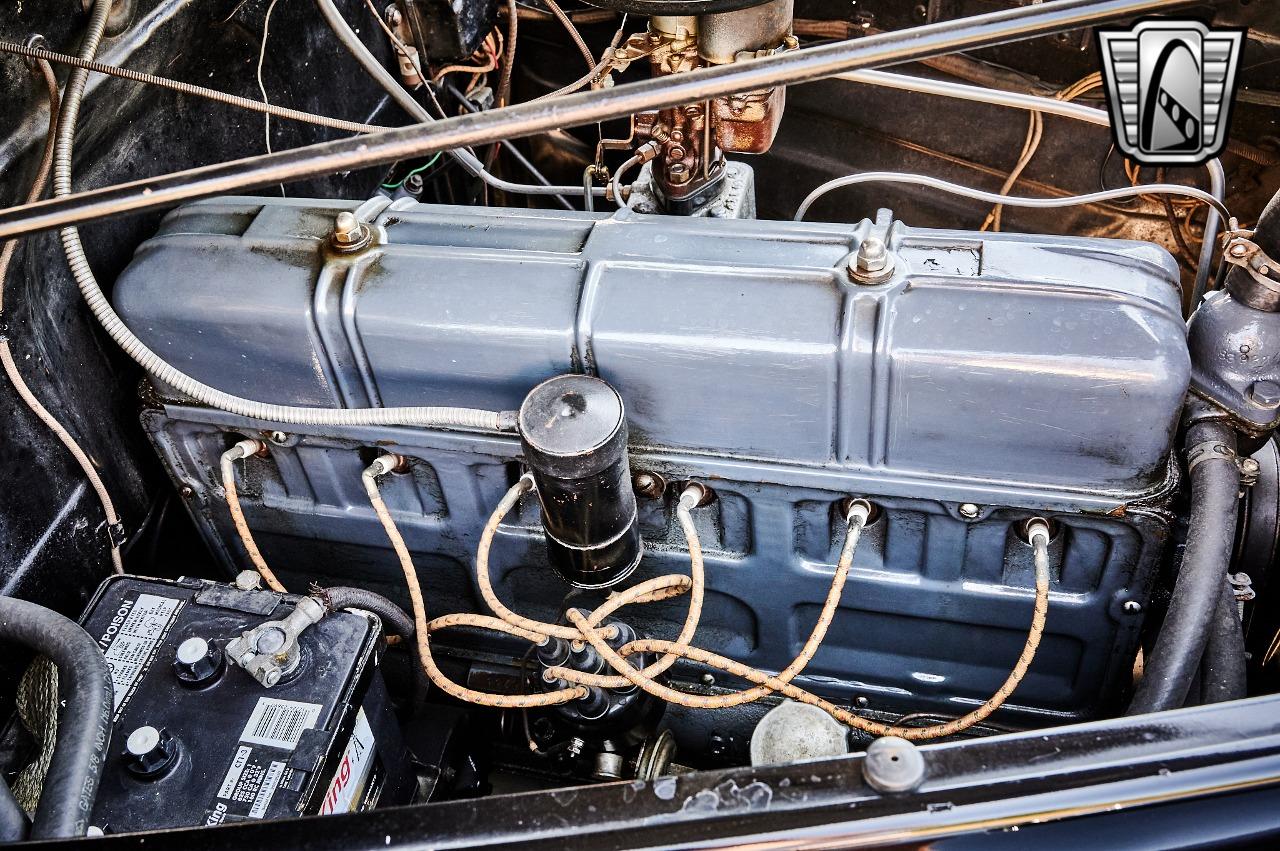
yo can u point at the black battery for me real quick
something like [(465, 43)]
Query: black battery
[(198, 741)]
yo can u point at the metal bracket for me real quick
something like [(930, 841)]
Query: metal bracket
[(1242, 587), (1263, 293)]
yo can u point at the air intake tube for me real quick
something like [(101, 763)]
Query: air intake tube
[(574, 432)]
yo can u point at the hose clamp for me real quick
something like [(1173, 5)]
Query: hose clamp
[(1209, 450)]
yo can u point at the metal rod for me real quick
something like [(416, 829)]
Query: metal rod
[(509, 147), (797, 66)]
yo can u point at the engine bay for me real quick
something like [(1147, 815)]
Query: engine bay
[(537, 424)]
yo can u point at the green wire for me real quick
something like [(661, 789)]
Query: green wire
[(417, 170)]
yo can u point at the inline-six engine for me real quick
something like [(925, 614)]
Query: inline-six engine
[(962, 382)]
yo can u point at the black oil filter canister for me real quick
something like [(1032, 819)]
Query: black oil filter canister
[(574, 431)]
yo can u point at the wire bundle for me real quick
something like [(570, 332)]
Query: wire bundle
[(586, 627)]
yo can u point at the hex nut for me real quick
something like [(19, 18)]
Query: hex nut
[(349, 233), (873, 263)]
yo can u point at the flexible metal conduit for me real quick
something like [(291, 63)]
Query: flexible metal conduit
[(791, 67), (428, 417)]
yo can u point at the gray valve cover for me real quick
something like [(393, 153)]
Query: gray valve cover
[(1017, 373)]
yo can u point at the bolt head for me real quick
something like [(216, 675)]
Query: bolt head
[(969, 511), (1265, 393), (248, 580), (1131, 607), (1239, 249), (345, 224), (649, 485), (893, 765)]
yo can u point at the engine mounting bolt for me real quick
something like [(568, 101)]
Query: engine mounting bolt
[(873, 262), (1131, 607), (1239, 249), (893, 765), (1265, 393), (969, 511)]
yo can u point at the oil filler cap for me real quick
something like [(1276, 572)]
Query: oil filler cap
[(150, 752)]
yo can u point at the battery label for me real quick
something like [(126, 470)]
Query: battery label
[(131, 639), (249, 785), (279, 723), (268, 788), (351, 779)]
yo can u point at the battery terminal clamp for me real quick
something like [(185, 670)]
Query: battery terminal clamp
[(270, 651)]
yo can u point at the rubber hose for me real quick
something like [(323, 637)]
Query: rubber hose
[(84, 723), (1180, 644), (394, 619), (13, 819), (1223, 674)]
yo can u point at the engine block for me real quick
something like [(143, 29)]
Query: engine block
[(987, 379)]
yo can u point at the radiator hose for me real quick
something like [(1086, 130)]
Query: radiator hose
[(84, 724), (1223, 673), (1180, 646)]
